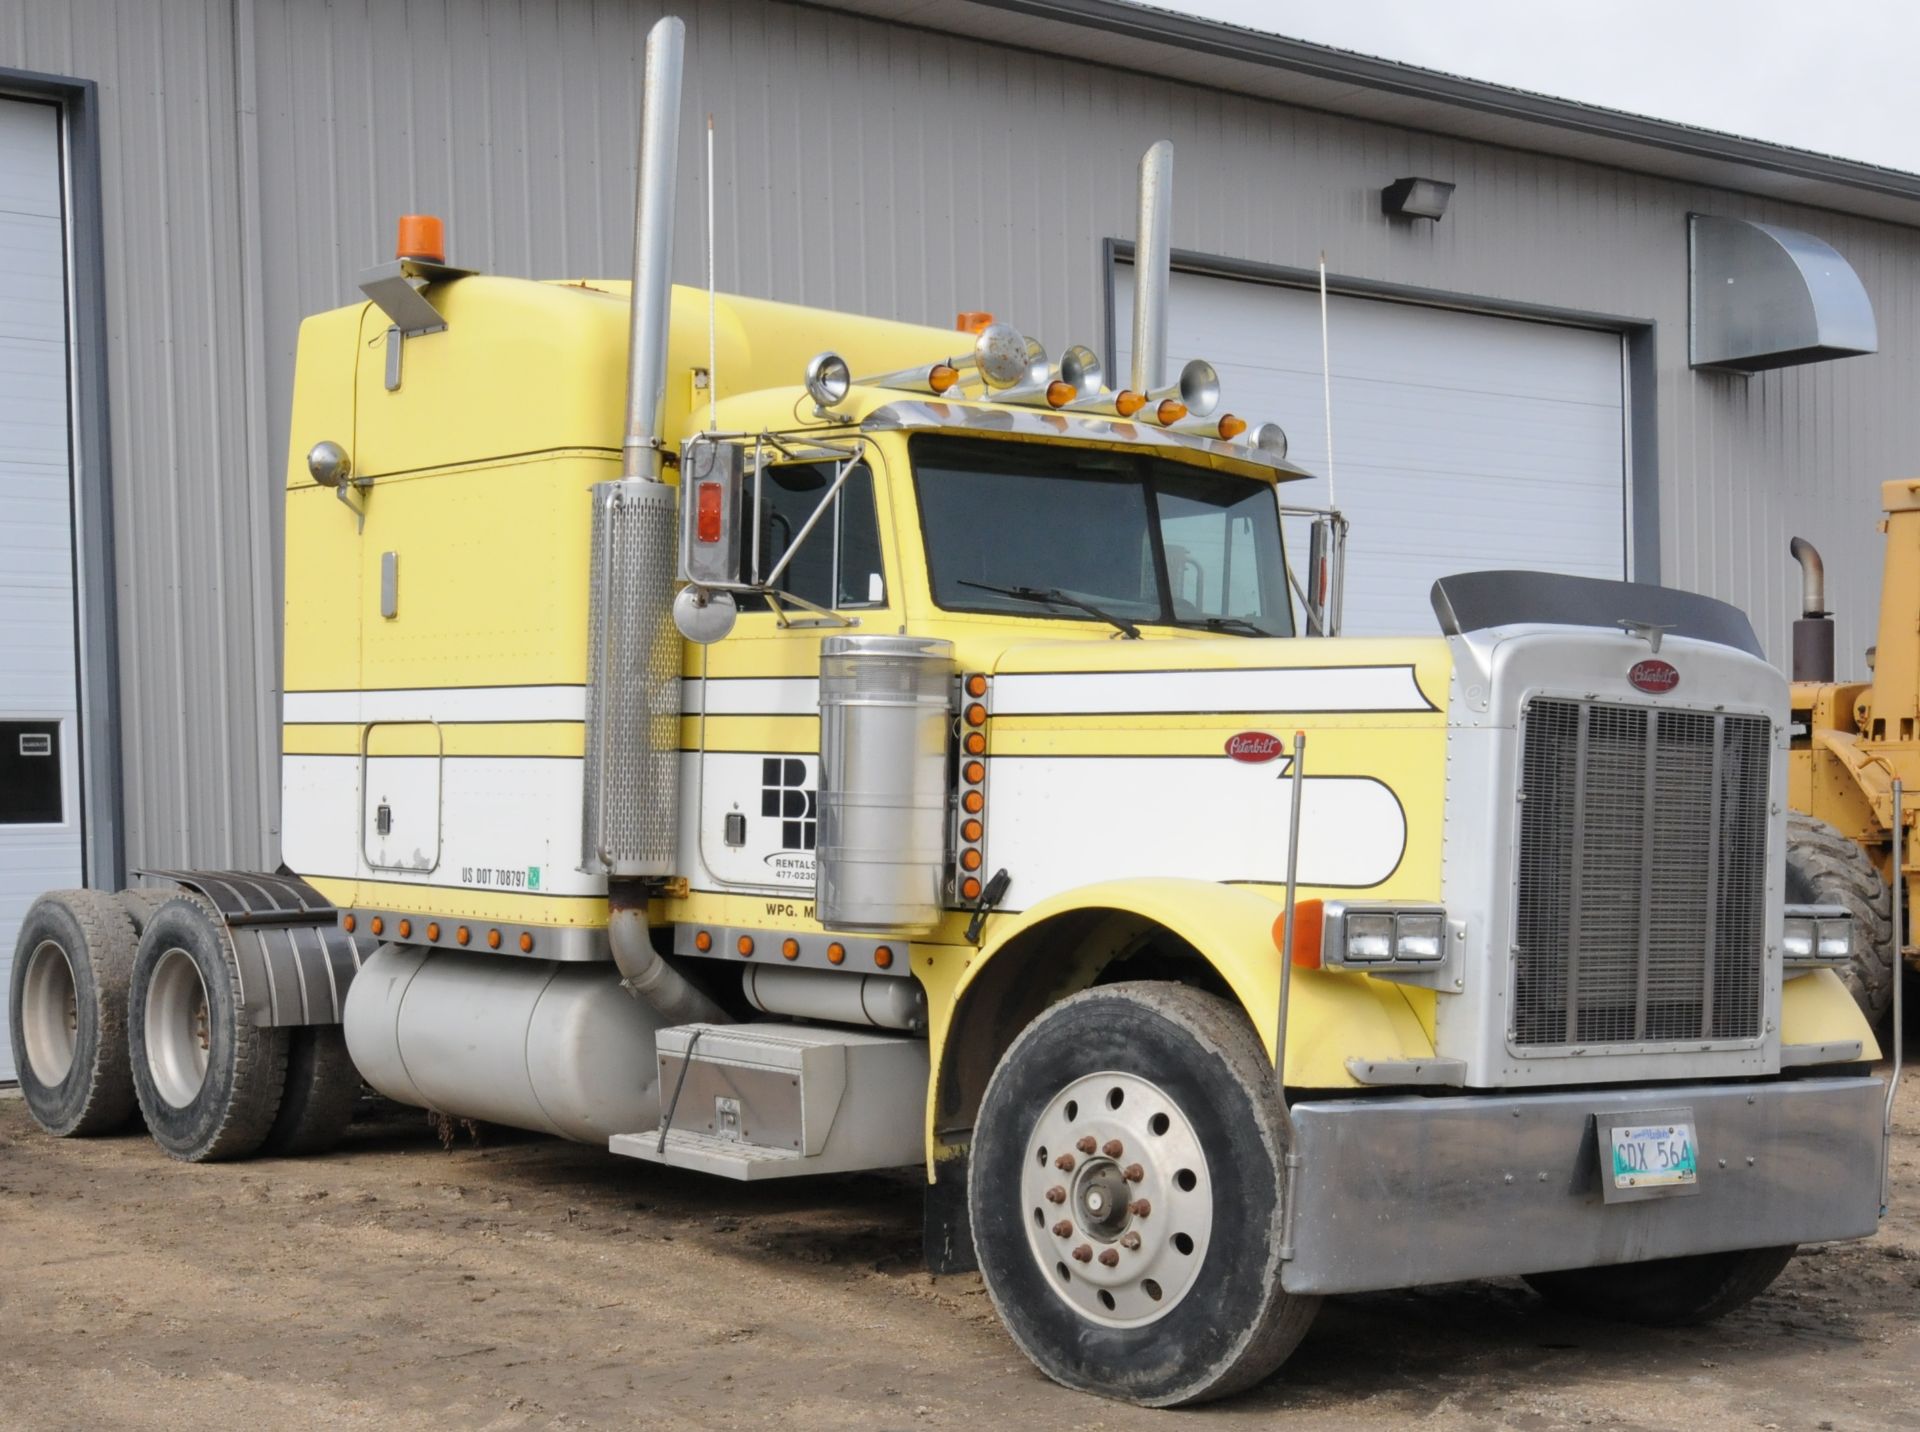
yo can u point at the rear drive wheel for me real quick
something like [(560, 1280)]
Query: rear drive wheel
[(1667, 1292), (1825, 868), (1125, 1188), (208, 1078), (322, 1085), (67, 1012)]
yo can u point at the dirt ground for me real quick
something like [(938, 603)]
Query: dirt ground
[(525, 1282)]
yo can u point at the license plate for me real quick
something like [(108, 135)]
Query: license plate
[(1654, 1156)]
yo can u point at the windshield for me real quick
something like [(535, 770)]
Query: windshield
[(1139, 537)]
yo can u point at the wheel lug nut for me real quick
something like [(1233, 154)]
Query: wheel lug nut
[(1130, 1241), (1109, 1257), (1133, 1173), (1063, 1229), (1087, 1144), (1140, 1208), (1056, 1194), (1114, 1148), (1064, 1163), (1083, 1254)]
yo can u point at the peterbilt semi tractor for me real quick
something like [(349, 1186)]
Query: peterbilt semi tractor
[(771, 742)]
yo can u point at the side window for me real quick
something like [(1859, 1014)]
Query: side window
[(839, 565)]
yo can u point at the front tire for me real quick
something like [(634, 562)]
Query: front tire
[(1666, 1292), (1126, 1186), (67, 1012), (209, 1079)]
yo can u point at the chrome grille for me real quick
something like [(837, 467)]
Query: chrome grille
[(1642, 877)]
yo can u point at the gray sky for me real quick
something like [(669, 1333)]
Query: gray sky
[(1836, 76)]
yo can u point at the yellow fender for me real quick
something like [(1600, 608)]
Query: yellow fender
[(1334, 1016), (1817, 1008)]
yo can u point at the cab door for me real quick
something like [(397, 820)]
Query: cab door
[(755, 699)]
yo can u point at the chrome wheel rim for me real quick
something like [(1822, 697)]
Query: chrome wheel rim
[(177, 1030), (49, 1013), (1117, 1199)]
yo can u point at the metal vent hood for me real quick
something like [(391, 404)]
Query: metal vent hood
[(1767, 297)]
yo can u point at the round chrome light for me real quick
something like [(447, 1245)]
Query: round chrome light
[(1269, 438), (828, 378), (329, 464), (1002, 355)]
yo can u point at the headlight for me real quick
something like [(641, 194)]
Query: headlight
[(1817, 937), (1379, 937)]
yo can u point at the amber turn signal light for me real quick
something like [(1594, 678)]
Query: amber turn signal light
[(1127, 402), (1308, 919)]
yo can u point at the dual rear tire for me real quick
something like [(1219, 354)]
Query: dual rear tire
[(107, 1021)]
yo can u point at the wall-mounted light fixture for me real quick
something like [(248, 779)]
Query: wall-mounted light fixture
[(1416, 199)]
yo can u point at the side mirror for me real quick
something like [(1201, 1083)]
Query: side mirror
[(712, 482), (328, 464)]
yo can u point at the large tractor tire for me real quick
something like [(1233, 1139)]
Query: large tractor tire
[(322, 1088), (67, 1012), (1667, 1292), (1825, 868), (209, 1080), (1126, 1187)]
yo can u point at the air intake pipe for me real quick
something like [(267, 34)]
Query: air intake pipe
[(1813, 631), (633, 659)]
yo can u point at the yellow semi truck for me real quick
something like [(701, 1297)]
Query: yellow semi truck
[(770, 742)]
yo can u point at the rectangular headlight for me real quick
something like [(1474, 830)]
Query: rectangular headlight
[(1383, 937), (1815, 937)]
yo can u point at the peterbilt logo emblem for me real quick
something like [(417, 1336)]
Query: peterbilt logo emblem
[(1254, 747), (1655, 677)]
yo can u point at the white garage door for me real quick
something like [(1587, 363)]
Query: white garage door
[(39, 681), (1461, 441)]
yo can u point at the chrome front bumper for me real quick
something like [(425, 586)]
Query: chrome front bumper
[(1397, 1192)]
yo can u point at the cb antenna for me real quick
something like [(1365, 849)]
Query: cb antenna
[(1326, 376), (713, 338)]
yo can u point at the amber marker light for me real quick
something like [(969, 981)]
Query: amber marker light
[(1170, 411), (975, 772), (526, 943), (976, 743), (1231, 427), (406, 928), (493, 939), (1126, 402), (703, 942), (942, 377), (433, 930), (883, 957), (976, 685), (973, 802), (745, 946), (1060, 394), (976, 715), (970, 889), (970, 830), (377, 925), (1308, 920), (348, 923), (971, 321), (969, 860), (790, 949), (463, 935), (836, 953)]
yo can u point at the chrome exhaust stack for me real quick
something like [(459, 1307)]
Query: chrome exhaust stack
[(1813, 630), (1152, 258), (632, 780)]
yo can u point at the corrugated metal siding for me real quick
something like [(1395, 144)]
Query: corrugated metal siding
[(863, 165)]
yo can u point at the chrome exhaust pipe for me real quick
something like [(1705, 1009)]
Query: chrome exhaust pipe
[(1151, 260), (1813, 631), (653, 249)]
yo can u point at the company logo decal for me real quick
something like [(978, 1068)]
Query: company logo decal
[(1654, 676), (1254, 748), (785, 796)]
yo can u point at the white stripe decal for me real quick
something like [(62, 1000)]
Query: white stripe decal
[(753, 696), (1277, 690), (453, 703)]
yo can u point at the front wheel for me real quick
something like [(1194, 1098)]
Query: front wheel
[(1666, 1292), (1126, 1192)]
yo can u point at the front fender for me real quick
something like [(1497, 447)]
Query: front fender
[(1334, 1016)]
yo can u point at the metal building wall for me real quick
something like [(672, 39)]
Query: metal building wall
[(258, 151)]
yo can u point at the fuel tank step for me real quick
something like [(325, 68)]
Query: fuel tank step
[(757, 1101)]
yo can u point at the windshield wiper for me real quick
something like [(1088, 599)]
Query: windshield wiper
[(1054, 597), (1235, 624)]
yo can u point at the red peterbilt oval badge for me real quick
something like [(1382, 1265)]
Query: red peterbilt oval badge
[(1254, 747), (1654, 676)]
